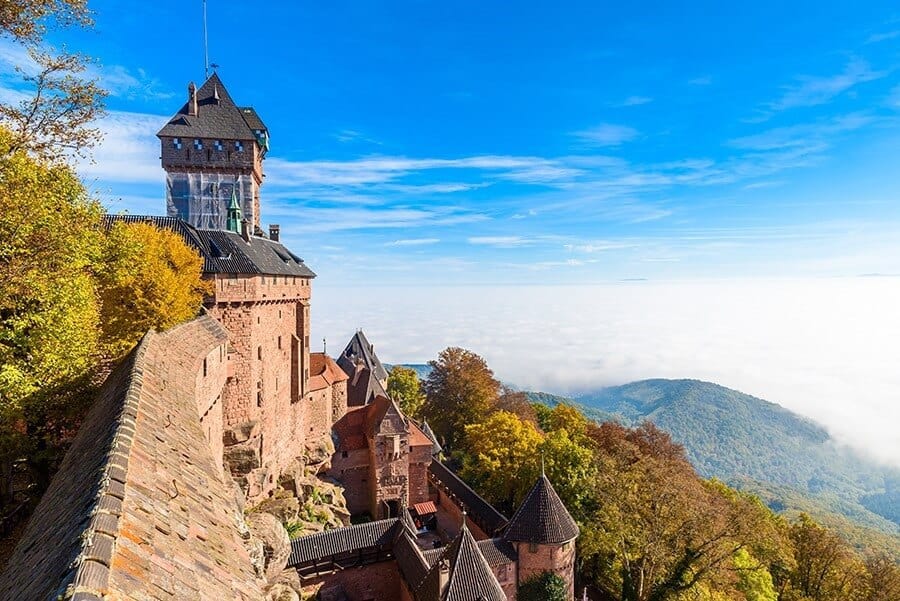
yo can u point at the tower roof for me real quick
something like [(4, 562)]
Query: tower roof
[(366, 372), (542, 518), (470, 576), (217, 116)]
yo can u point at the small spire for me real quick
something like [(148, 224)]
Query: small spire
[(464, 527), (233, 222)]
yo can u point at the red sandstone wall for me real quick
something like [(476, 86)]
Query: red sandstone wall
[(419, 460), (262, 315), (376, 582), (210, 384), (555, 558), (449, 519), (506, 576), (353, 472)]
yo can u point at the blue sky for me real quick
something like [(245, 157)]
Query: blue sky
[(716, 178), (572, 142)]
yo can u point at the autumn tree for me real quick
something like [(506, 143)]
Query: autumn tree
[(827, 569), (882, 578), (48, 309), (659, 530), (516, 402), (26, 20), (460, 390), (500, 458), (53, 120), (150, 279), (404, 387)]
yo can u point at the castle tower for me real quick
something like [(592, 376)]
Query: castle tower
[(544, 534), (213, 150)]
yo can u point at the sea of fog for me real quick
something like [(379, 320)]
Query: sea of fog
[(828, 348)]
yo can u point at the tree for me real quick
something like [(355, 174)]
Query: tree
[(516, 402), (404, 387), (827, 570), (547, 586), (460, 390), (53, 122), (48, 309), (500, 458), (150, 280), (25, 20), (658, 530), (570, 466), (882, 578), (754, 580)]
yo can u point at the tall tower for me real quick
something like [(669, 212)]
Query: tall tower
[(213, 150)]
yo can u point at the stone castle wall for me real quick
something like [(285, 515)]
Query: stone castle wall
[(536, 559)]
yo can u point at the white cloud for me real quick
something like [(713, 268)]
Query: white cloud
[(815, 90), (881, 37), (635, 101), (414, 242), (700, 81), (129, 152), (823, 348), (607, 134), (500, 241)]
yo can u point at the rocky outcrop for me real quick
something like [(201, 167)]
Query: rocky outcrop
[(268, 534)]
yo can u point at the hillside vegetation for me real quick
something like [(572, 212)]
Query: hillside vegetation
[(758, 446)]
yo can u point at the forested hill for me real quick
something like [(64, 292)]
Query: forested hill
[(789, 460)]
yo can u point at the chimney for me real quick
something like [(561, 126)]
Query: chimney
[(192, 99), (274, 231), (443, 576), (245, 230)]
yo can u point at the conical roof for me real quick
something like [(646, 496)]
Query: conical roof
[(542, 518), (470, 576)]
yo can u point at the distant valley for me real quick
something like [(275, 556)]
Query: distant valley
[(789, 461)]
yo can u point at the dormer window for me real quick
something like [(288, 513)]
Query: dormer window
[(239, 146), (198, 144), (217, 144), (176, 142)]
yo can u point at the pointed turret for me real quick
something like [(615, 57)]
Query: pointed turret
[(461, 573), (542, 518), (233, 223), (368, 378)]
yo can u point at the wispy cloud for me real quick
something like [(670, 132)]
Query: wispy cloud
[(607, 134), (351, 135), (881, 37), (500, 241), (700, 81), (811, 90), (811, 136), (634, 101), (413, 242)]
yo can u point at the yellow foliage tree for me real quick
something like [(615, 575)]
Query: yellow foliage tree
[(501, 458), (150, 279)]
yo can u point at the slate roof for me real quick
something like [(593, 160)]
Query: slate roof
[(341, 540), (226, 252), (220, 119), (542, 518), (365, 370), (437, 449), (470, 576), (410, 559), (480, 511), (496, 552), (139, 508)]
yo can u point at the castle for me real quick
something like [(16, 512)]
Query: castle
[(200, 426)]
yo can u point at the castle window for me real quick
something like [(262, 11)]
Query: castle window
[(259, 398), (532, 547), (204, 368), (259, 352), (218, 145), (279, 339), (239, 146), (344, 455), (198, 144), (176, 142)]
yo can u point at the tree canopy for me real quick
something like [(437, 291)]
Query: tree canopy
[(404, 387)]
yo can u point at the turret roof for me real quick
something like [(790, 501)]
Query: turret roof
[(542, 518), (470, 576)]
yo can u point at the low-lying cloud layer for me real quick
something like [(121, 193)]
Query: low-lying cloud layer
[(824, 348)]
